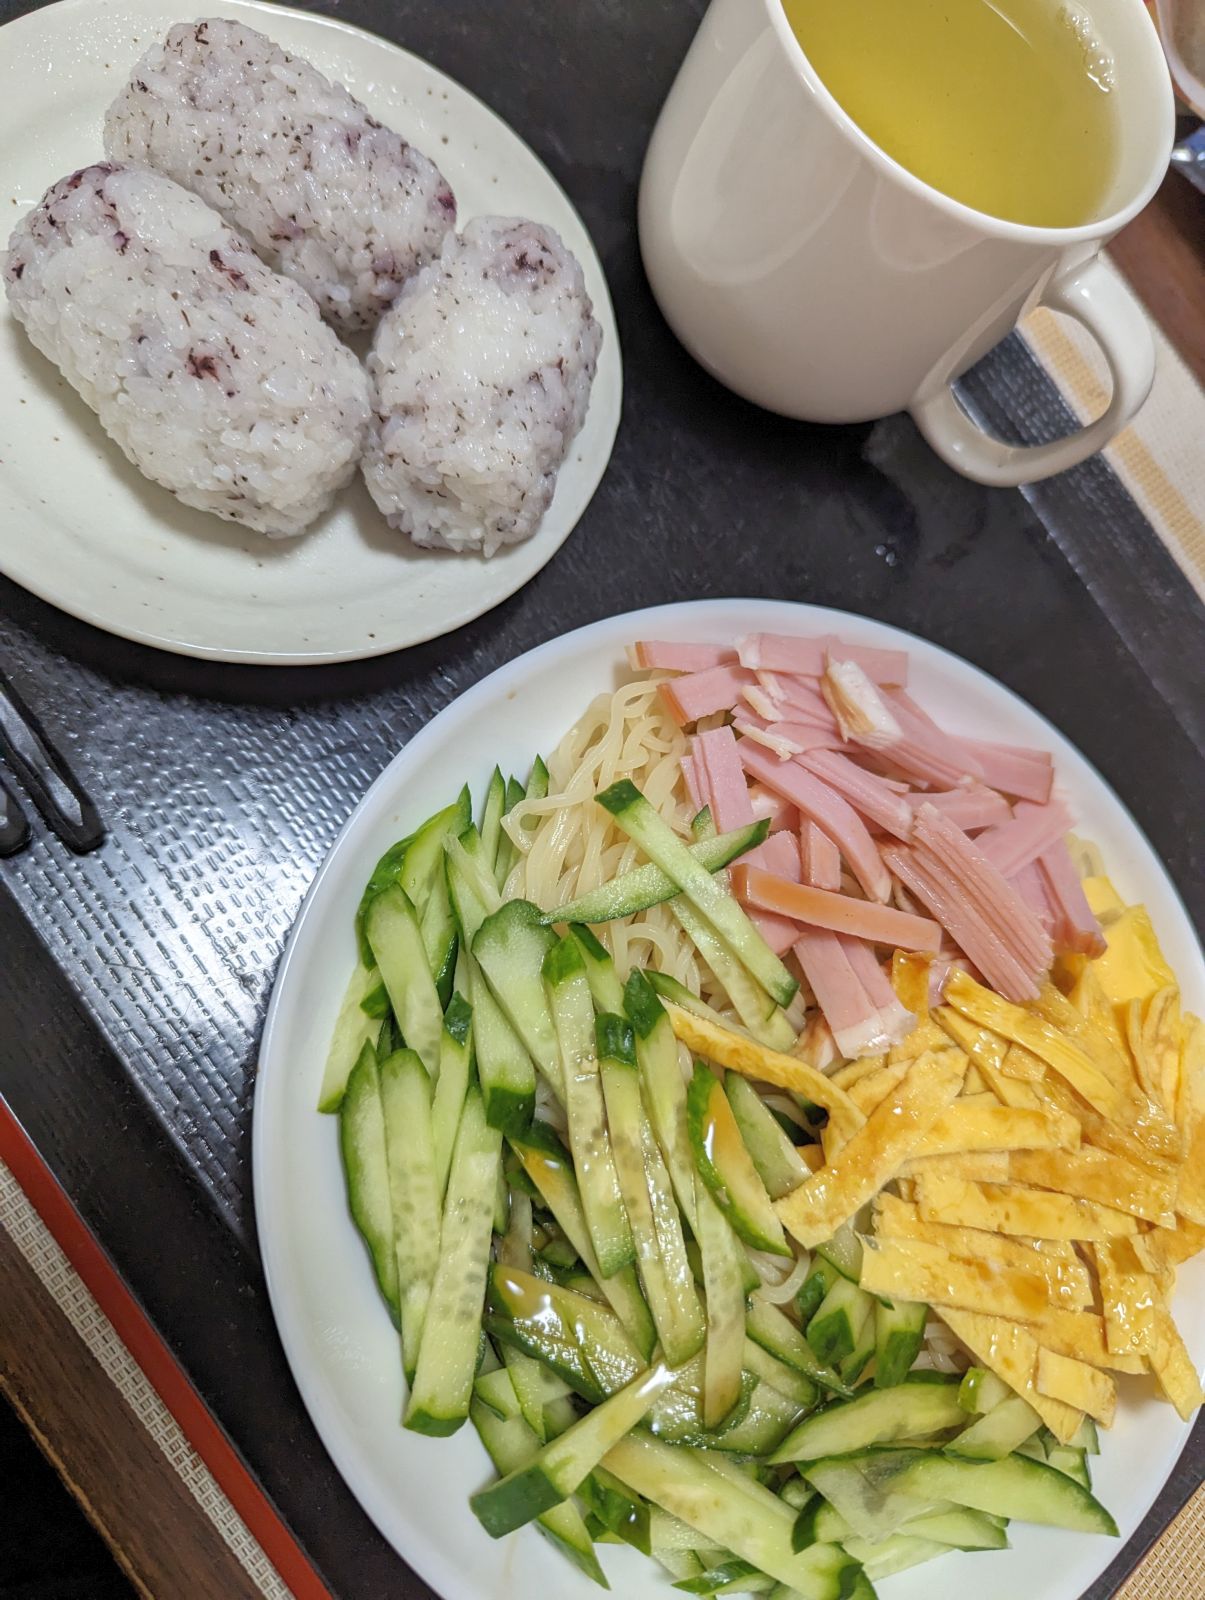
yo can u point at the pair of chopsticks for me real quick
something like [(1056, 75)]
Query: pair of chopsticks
[(46, 779)]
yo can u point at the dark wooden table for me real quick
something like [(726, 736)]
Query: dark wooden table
[(132, 1074)]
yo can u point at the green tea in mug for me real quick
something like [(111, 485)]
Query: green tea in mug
[(1005, 105)]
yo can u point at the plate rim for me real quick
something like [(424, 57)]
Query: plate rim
[(311, 1382), (464, 613)]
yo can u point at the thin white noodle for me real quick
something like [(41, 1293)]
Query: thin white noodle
[(779, 1293)]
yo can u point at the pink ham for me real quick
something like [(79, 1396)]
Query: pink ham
[(849, 1011), (1031, 886), (661, 655), (1032, 831), (779, 854), (896, 1020), (840, 913), (867, 794), (970, 809), (727, 791), (803, 702), (694, 787), (986, 886), (927, 753), (779, 812), (1027, 774), (786, 739), (780, 933), (827, 810), (700, 694), (820, 858), (780, 652), (1075, 927), (934, 886)]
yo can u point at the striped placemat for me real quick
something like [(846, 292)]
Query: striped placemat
[(1159, 456)]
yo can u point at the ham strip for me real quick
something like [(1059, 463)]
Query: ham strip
[(1075, 927), (995, 898), (1032, 831), (929, 883), (780, 652), (866, 793), (827, 810), (927, 753), (786, 739), (1027, 774), (968, 809), (728, 794), (896, 1021), (779, 812), (839, 913), (855, 1022), (820, 858), (660, 655), (1031, 886), (694, 788), (780, 854), (699, 694)]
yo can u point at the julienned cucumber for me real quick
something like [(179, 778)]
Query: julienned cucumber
[(455, 1066), (491, 819), (471, 888), (560, 1466), (836, 1329), (573, 1018), (415, 1192), (916, 1409), (582, 1341), (600, 970), (723, 1284), (392, 929), (504, 1068), (353, 1030), (998, 1432), (414, 862), (723, 1161), (549, 1166), (510, 947), (366, 1166), (664, 1089), (774, 1331), (649, 885), (447, 1358), (657, 839), (689, 1488), (899, 1332), (661, 1258), (510, 1443), (779, 1165)]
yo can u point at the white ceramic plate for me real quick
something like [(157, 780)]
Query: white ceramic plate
[(338, 1337), (83, 529)]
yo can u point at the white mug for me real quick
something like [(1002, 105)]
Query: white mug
[(814, 275)]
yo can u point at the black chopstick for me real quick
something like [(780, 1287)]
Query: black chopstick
[(47, 778), (14, 829)]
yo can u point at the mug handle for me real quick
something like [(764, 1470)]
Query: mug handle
[(1103, 305)]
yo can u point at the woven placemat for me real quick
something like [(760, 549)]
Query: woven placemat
[(1174, 1568)]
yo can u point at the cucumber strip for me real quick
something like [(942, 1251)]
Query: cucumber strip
[(680, 1564), (601, 975), (771, 1328), (820, 1279), (582, 1341), (414, 863), (375, 1003), (723, 1162), (721, 1579), (455, 1067), (836, 1328), (619, 1510), (561, 1465), (865, 1489), (1073, 1462), (547, 1163), (649, 885), (981, 1390), (354, 1028), (960, 1529), (723, 1283), (508, 852), (440, 937), (573, 1019), (779, 1165), (414, 1192), (661, 1259), (390, 1038), (759, 1013), (896, 1554), (490, 826), (392, 929), (504, 1068), (635, 817), (819, 1522), (495, 1390), (366, 1168), (447, 1358), (664, 1087), (510, 947), (1087, 1437), (770, 1370), (526, 1378), (843, 1251), (470, 889), (859, 1358), (1030, 1491), (998, 1432), (914, 1409), (899, 1332), (688, 1487), (510, 1444)]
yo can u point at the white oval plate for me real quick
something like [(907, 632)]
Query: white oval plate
[(339, 1340), (85, 530)]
